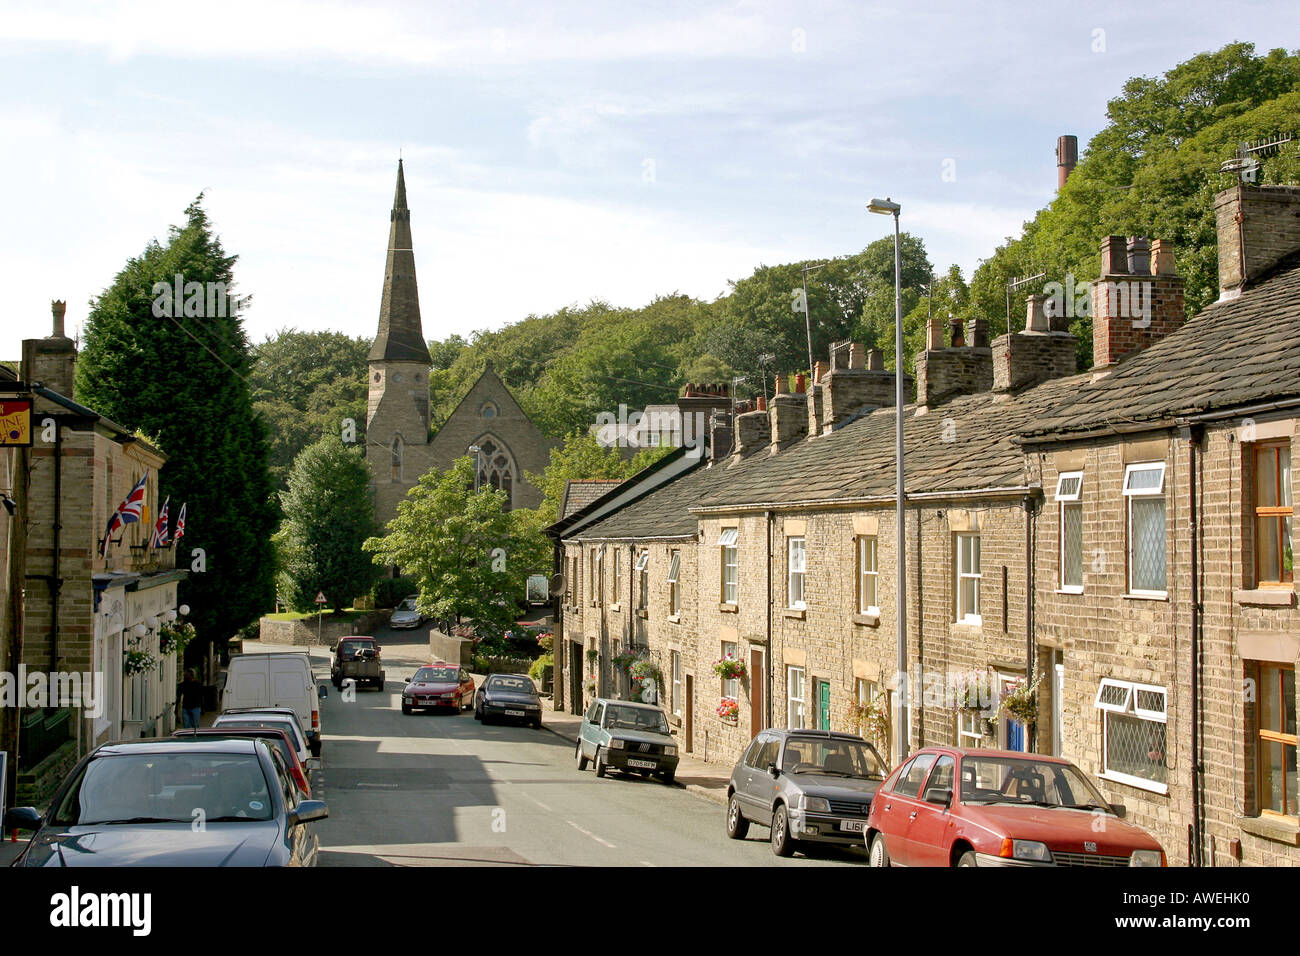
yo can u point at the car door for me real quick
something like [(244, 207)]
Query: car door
[(751, 778), (900, 808), (302, 841), (589, 736), (466, 689), (927, 833)]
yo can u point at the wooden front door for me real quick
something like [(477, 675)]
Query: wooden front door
[(688, 745), (757, 702)]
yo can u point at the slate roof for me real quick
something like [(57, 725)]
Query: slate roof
[(580, 492), (1234, 353), (663, 512)]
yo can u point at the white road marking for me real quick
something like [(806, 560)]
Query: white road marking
[(382, 786), (604, 843)]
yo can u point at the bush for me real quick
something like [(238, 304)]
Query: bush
[(387, 592), (540, 666)]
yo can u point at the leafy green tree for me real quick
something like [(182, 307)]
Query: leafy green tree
[(182, 379), (469, 556), (328, 515)]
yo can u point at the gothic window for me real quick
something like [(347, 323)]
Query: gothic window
[(397, 458), (496, 469)]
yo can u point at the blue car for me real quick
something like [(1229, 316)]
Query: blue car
[(183, 801)]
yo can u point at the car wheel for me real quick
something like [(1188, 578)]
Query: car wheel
[(737, 825), (600, 764), (582, 758), (968, 859), (669, 777), (537, 725), (406, 708), (379, 686), (879, 855), (782, 843)]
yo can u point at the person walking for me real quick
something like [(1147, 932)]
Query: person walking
[(191, 701)]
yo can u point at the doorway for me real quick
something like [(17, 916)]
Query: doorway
[(757, 702), (688, 745), (575, 678)]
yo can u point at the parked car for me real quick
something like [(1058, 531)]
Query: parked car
[(174, 801), (280, 719), (357, 659), (277, 737), (954, 806), (628, 736), (439, 685), (808, 786), (405, 615), (275, 680), (509, 697)]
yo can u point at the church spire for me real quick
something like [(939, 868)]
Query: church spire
[(400, 337)]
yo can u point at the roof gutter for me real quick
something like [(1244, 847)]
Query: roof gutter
[(1164, 424), (1016, 492)]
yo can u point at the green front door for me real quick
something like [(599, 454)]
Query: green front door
[(824, 706)]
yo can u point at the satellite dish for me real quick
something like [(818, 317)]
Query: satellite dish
[(557, 585)]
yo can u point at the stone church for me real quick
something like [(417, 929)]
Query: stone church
[(399, 448)]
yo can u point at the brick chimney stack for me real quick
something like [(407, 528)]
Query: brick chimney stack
[(52, 361), (697, 406), (1137, 301), (1067, 157), (1257, 227), (945, 373), (847, 389), (1035, 355), (789, 413)]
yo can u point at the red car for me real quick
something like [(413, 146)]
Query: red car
[(954, 806), (439, 685)]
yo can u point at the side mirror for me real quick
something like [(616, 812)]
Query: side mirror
[(1119, 810), (22, 818), (334, 648), (322, 691), (312, 765), (406, 680), (773, 771), (308, 811), (939, 795)]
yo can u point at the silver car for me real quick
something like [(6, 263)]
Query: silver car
[(808, 786), (405, 615)]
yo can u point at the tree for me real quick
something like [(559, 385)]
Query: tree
[(469, 556), (328, 516), (178, 373)]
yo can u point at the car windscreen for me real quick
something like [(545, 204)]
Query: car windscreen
[(256, 720), (166, 788), (1038, 783), (635, 718), (512, 685), (407, 605), (437, 675), (352, 648), (836, 757)]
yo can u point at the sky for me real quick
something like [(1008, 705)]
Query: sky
[(555, 153)]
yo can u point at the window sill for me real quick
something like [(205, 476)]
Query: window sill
[(1266, 597), (642, 613), (616, 607), (870, 619), (726, 608), (1147, 596), (796, 613), (674, 619), (1069, 590), (1136, 783), (969, 622), (1279, 829)]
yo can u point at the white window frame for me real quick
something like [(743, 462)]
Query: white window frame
[(1130, 708), (791, 699), (1130, 493), (863, 574), (643, 580), (730, 555), (969, 733), (796, 552), (618, 573), (675, 662), (1067, 499), (731, 686), (674, 591), (962, 574)]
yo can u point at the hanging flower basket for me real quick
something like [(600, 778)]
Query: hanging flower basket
[(1020, 703), (973, 692), (728, 710), (174, 638), (137, 662), (871, 719), (729, 668)]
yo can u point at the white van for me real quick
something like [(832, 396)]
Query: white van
[(275, 680)]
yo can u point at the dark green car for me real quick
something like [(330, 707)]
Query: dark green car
[(628, 736)]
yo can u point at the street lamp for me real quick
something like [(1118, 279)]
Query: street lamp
[(475, 449), (886, 207)]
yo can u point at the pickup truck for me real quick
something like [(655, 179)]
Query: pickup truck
[(357, 659)]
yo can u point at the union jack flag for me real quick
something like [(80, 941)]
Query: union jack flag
[(159, 537), (180, 524), (127, 512)]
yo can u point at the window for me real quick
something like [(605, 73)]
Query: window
[(643, 580), (730, 565), (797, 556), (794, 697), (617, 575), (1273, 512), (674, 591), (1276, 756), (675, 659), (913, 775), (868, 576), (1069, 488), (595, 576), (731, 686), (1144, 487), (396, 451), (969, 733), (1133, 733), (968, 579)]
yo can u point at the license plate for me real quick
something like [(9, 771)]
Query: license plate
[(853, 826), (641, 764), (514, 713)]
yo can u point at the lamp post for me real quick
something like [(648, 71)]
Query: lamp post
[(475, 449), (807, 312), (886, 207)]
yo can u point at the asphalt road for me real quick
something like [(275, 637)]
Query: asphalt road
[(440, 789)]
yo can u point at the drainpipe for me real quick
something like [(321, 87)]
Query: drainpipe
[(1193, 434), (56, 582), (1033, 504), (771, 663)]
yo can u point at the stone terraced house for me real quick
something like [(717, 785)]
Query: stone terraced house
[(1118, 541)]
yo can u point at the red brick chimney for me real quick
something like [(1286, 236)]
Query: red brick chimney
[(1067, 157), (1137, 301)]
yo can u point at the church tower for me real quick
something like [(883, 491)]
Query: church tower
[(397, 418)]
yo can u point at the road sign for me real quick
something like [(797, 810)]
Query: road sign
[(320, 597)]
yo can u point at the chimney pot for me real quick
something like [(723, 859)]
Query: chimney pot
[(1162, 257), (933, 334), (1067, 157), (857, 356), (58, 307), (818, 370), (1114, 256), (762, 403), (800, 384), (979, 333), (1035, 314), (1139, 256)]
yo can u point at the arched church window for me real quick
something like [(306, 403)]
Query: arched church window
[(397, 457), (488, 410), (496, 469)]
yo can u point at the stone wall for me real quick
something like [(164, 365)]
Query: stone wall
[(302, 633)]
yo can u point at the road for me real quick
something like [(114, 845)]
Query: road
[(440, 789)]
